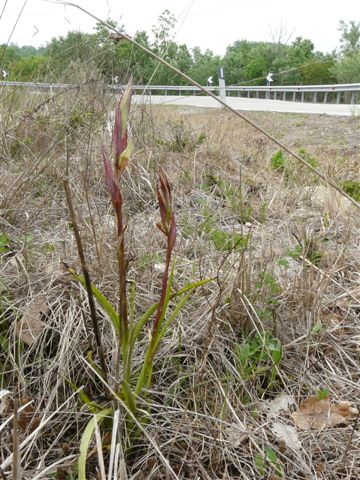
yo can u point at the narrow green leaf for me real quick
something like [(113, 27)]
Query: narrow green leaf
[(175, 312), (260, 463), (103, 302), (93, 406), (129, 397), (271, 455), (193, 285), (151, 310), (86, 440)]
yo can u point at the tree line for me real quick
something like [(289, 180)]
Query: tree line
[(79, 56)]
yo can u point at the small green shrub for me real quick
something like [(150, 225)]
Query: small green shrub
[(322, 393), (258, 359), (267, 292), (278, 161), (308, 158), (352, 188), (227, 240)]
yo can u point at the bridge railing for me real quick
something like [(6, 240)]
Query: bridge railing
[(339, 93)]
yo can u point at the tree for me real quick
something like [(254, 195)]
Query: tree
[(347, 67), (350, 36), (164, 32), (204, 65), (33, 68)]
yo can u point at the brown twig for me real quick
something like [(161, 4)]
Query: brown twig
[(350, 438)]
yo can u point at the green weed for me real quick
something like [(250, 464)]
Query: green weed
[(308, 158), (352, 188), (268, 462), (278, 161), (258, 359), (227, 241)]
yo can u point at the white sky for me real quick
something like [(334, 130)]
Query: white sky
[(210, 24)]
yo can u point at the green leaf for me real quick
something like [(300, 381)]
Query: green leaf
[(102, 300), (271, 455), (86, 440), (316, 328), (4, 243), (260, 463), (323, 394), (282, 262), (93, 406), (129, 397), (151, 310)]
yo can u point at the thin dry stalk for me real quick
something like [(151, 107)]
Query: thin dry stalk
[(86, 277)]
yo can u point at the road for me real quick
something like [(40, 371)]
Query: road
[(250, 104)]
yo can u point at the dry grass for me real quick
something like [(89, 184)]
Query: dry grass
[(207, 417)]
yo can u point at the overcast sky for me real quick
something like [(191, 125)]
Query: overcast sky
[(210, 24)]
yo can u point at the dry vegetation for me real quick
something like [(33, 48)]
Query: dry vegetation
[(279, 323)]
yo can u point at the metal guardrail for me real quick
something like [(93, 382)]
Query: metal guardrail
[(348, 92)]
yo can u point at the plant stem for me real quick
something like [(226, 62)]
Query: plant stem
[(86, 277)]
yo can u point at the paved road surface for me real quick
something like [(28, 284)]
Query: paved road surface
[(258, 105)]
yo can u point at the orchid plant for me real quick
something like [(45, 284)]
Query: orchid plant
[(131, 383)]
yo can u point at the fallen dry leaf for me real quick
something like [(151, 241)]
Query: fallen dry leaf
[(287, 434), (30, 326), (5, 399), (279, 404), (319, 414)]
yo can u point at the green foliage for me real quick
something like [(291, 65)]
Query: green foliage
[(233, 196), (268, 461), (4, 243), (312, 252), (309, 250), (347, 67), (297, 63), (352, 188), (244, 61), (350, 35), (322, 393), (258, 359), (268, 281), (267, 292), (227, 241), (308, 158), (278, 161), (295, 253), (204, 64)]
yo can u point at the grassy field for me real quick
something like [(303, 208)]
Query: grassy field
[(258, 375)]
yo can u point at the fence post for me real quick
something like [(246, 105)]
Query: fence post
[(222, 85)]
